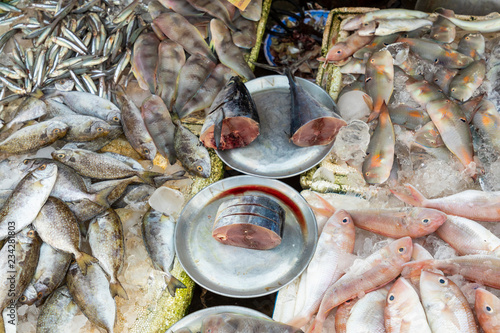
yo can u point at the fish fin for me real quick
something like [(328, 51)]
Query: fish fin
[(175, 176), (218, 128), (117, 289), (413, 269), (374, 115), (83, 260), (415, 199), (368, 100), (148, 176), (327, 208), (101, 197), (173, 284)]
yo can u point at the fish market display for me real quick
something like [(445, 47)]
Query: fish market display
[(252, 222), (232, 116)]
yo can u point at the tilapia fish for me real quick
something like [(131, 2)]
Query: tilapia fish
[(472, 204), (236, 323), (158, 234), (233, 121), (487, 308), (191, 152), (49, 274), (159, 125), (57, 312), (336, 239), (445, 305), (105, 235), (58, 227), (145, 59), (34, 137), (91, 293), (228, 53), (378, 269), (17, 274), (178, 29), (100, 166), (32, 191), (311, 122), (403, 312)]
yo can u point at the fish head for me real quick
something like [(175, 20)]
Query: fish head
[(28, 238), (30, 164), (148, 150), (45, 171), (341, 227), (420, 253), (401, 248), (400, 297), (382, 61), (368, 28), (99, 128), (424, 221), (29, 296), (428, 136), (114, 117), (56, 130), (337, 52), (216, 324), (354, 23), (487, 305), (64, 155), (435, 286), (460, 92)]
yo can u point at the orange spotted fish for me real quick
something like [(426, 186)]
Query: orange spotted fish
[(486, 121), (466, 82), (379, 81)]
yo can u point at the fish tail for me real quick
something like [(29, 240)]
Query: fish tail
[(101, 197), (173, 284), (83, 260), (327, 208), (175, 176), (117, 289), (148, 176), (415, 199), (413, 269), (368, 100)]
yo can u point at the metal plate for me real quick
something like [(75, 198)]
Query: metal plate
[(239, 272), (272, 154), (194, 320)]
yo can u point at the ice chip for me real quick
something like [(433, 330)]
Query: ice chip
[(167, 200), (352, 141)]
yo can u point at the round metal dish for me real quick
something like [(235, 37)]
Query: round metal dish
[(194, 320), (239, 272), (272, 154)]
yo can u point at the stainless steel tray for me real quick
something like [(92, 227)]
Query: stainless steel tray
[(194, 320), (239, 272), (272, 154)]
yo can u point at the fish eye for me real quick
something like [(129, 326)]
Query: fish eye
[(372, 60), (42, 167), (488, 308), (100, 129), (425, 220), (56, 131), (31, 233), (345, 220), (339, 51), (146, 151), (61, 155), (115, 118), (23, 298), (436, 60), (349, 301), (442, 281), (463, 120), (391, 298), (39, 295), (436, 80), (368, 79), (401, 249), (467, 38), (199, 168), (453, 89), (367, 174), (26, 161)]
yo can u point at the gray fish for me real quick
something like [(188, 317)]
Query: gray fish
[(409, 117), (57, 312), (17, 273), (442, 29), (85, 210), (159, 124), (191, 152), (468, 79), (34, 137), (135, 130), (206, 94), (105, 235), (145, 59), (90, 105), (55, 109), (137, 194), (31, 108), (228, 53), (58, 227), (69, 186), (171, 58), (97, 144), (246, 35), (49, 274), (84, 128), (158, 234), (119, 186), (192, 75), (235, 323), (32, 191), (91, 293), (99, 166), (233, 115), (472, 45), (216, 9), (442, 78), (181, 7), (178, 29), (253, 11)]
